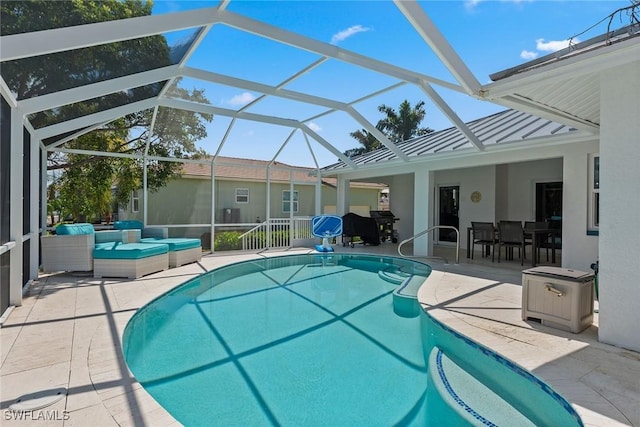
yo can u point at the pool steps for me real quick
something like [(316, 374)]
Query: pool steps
[(405, 300), (459, 395)]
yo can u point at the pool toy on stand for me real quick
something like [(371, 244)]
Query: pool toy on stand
[(326, 227)]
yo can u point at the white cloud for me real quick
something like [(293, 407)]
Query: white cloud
[(345, 34), (528, 55), (314, 127), (471, 4), (241, 99), (552, 45)]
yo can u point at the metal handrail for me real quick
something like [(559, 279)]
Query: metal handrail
[(428, 230)]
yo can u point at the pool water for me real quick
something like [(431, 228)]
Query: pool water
[(303, 340), (324, 340)]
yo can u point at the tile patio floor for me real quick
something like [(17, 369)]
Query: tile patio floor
[(68, 334)]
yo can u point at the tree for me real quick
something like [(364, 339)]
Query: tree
[(405, 123), (85, 184), (397, 127), (366, 139)]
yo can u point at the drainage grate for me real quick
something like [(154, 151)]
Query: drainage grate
[(38, 400)]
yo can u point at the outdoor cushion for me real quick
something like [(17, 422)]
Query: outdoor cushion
[(175, 243), (74, 229), (118, 250), (128, 225), (108, 236)]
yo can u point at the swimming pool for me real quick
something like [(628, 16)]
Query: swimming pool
[(296, 340)]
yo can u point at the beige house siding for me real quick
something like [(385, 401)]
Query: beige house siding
[(187, 200)]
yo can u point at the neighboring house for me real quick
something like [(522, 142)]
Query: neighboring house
[(240, 196)]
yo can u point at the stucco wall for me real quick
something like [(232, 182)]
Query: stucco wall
[(401, 189), (481, 179), (619, 206), (521, 186)]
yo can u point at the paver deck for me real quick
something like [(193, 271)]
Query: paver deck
[(68, 334)]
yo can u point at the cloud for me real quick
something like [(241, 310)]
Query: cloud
[(470, 5), (314, 127), (552, 45), (345, 34), (528, 55), (241, 99)]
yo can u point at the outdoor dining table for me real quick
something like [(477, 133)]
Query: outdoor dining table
[(534, 234)]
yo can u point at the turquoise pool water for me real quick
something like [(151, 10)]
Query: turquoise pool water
[(298, 340), (314, 340)]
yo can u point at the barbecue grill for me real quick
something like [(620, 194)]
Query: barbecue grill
[(385, 220)]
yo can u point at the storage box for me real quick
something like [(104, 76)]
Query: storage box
[(560, 298)]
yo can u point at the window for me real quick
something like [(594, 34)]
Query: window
[(594, 192), (287, 201), (135, 201), (242, 195)]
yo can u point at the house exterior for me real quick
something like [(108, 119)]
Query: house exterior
[(240, 196)]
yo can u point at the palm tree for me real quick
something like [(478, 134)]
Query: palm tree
[(396, 126), (405, 123)]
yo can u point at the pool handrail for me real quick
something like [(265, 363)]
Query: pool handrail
[(429, 230)]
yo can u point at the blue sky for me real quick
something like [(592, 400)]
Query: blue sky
[(489, 36)]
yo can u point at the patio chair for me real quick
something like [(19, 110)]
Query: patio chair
[(543, 240), (484, 234), (512, 236)]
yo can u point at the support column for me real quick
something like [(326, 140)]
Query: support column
[(422, 215), (291, 189), (15, 215), (268, 213), (213, 206), (342, 202), (318, 194), (34, 223), (619, 206)]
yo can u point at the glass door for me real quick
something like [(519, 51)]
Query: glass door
[(448, 204)]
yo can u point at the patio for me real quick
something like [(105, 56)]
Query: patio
[(68, 334)]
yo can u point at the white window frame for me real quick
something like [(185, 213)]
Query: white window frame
[(287, 201), (594, 193), (135, 201), (240, 196)]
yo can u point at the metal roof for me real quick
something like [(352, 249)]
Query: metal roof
[(500, 129)]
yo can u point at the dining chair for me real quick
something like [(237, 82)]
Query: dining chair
[(511, 235), (543, 240), (484, 234)]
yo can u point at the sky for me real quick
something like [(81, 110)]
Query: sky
[(489, 36)]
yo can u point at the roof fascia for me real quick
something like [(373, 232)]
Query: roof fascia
[(593, 61), (36, 43)]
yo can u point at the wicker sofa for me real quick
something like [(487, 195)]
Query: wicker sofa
[(122, 252), (70, 249), (119, 253), (181, 250)]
